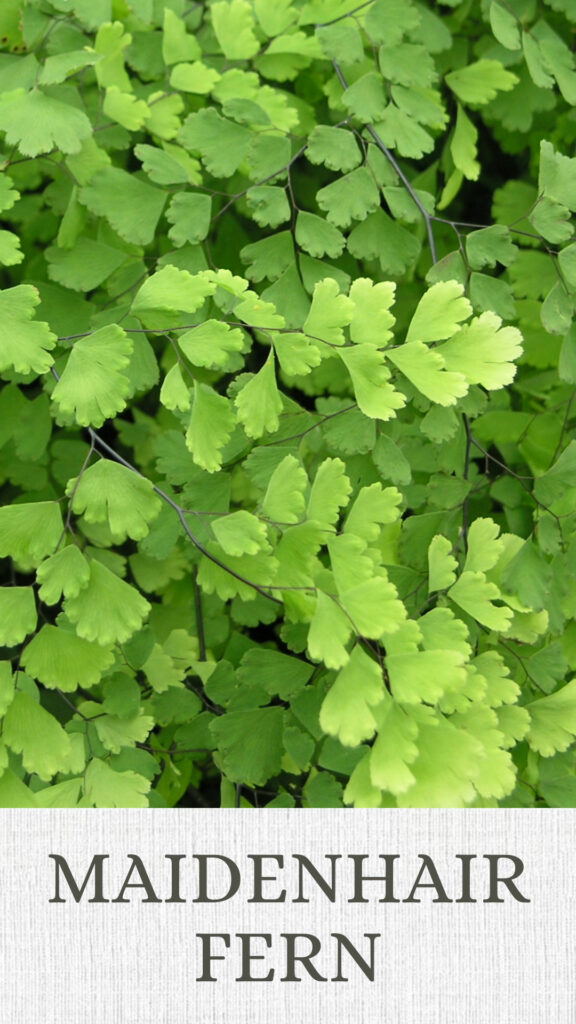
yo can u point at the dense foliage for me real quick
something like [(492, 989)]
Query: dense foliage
[(288, 486)]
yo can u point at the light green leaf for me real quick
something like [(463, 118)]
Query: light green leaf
[(317, 237), (64, 573), (284, 500), (62, 660), (249, 744), (478, 83), (222, 144), (92, 387), (233, 23), (37, 122), (372, 320), (375, 396), (484, 547), (108, 610), (109, 493), (553, 721), (259, 403), (189, 213), (32, 731), (329, 632), (24, 346), (439, 313), (463, 147), (125, 109), (484, 352), (475, 595), (104, 787), (346, 710), (174, 393), (130, 206), (241, 533), (17, 614), (375, 506), (167, 291), (426, 370), (196, 78), (177, 44), (211, 424), (329, 493), (442, 565), (211, 344), (30, 532), (336, 148)]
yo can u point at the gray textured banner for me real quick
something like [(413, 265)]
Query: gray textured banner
[(133, 962)]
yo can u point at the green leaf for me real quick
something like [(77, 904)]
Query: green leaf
[(7, 687), (375, 396), (439, 313), (62, 660), (484, 352), (197, 78), (553, 721), (221, 143), (442, 565), (211, 344), (284, 500), (174, 393), (346, 710), (478, 83), (109, 493), (241, 533), (296, 354), (463, 147), (329, 632), (490, 246), (425, 368), (329, 493), (329, 313), (64, 573), (268, 205), (556, 178), (277, 674), (476, 595), (177, 44), (92, 387), (104, 787), (317, 237), (374, 506), (351, 197), (107, 610), (484, 547), (130, 206), (233, 23), (210, 426), (189, 213), (84, 266), (24, 346), (336, 148), (259, 403), (37, 122), (17, 614), (31, 731), (366, 98), (168, 291), (505, 25), (249, 744), (30, 532), (372, 320), (394, 750)]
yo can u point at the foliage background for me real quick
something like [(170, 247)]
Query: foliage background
[(288, 478)]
